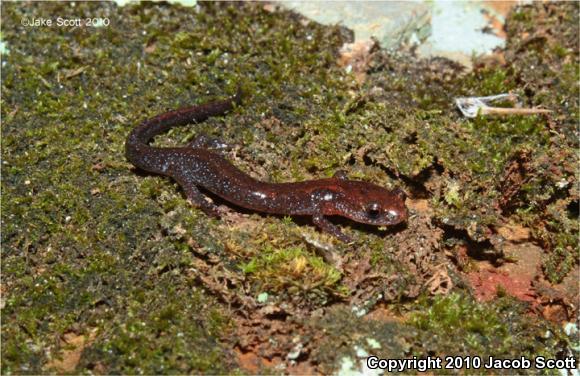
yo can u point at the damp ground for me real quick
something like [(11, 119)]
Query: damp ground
[(106, 269)]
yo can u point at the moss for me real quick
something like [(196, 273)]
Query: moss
[(488, 81), (455, 325), (89, 243), (561, 261), (345, 335), (168, 321), (468, 166), (499, 329), (459, 317), (293, 270)]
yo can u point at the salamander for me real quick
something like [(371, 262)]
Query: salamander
[(196, 166)]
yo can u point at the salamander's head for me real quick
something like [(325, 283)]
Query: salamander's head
[(368, 203)]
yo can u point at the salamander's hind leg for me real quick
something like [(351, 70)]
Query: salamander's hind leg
[(327, 226), (204, 142), (198, 200)]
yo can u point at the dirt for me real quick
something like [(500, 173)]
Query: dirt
[(73, 346), (512, 278)]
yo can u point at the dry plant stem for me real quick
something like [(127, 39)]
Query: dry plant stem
[(513, 111)]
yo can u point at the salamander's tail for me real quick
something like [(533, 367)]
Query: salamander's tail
[(137, 149)]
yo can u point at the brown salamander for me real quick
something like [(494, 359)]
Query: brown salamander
[(195, 166)]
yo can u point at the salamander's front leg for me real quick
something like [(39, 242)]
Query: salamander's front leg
[(198, 200), (326, 226)]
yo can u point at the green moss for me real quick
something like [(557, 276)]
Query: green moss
[(168, 321), (472, 169), (292, 270), (460, 317), (561, 261), (500, 329), (489, 81), (89, 243), (455, 325)]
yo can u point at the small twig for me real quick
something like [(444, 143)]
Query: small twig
[(513, 111)]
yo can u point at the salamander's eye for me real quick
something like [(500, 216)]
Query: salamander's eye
[(374, 210)]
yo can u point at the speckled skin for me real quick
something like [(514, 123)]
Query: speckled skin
[(196, 166)]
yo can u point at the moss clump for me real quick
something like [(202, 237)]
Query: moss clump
[(560, 262), (459, 317), (501, 329), (292, 271)]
